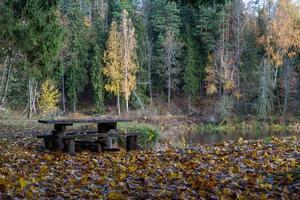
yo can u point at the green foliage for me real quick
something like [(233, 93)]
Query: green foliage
[(191, 73), (224, 53), (165, 17), (77, 52), (32, 27), (97, 79), (148, 134), (119, 6)]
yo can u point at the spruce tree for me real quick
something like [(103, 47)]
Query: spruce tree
[(191, 73), (37, 37), (165, 18), (97, 79), (76, 72)]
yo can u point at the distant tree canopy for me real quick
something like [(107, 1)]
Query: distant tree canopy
[(195, 2), (233, 57)]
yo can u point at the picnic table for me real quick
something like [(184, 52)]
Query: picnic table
[(61, 139)]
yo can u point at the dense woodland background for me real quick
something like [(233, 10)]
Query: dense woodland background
[(223, 58)]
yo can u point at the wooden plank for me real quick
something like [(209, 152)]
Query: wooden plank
[(56, 122), (78, 136), (44, 136), (70, 122)]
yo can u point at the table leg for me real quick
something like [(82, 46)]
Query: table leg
[(71, 146), (109, 142), (105, 128), (59, 130)]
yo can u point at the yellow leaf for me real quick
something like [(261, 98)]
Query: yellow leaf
[(290, 178), (227, 191), (23, 183), (114, 196), (44, 169)]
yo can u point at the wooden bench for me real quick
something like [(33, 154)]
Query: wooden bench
[(69, 139), (60, 140), (48, 140)]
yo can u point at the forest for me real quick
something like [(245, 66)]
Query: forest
[(149, 99), (229, 58)]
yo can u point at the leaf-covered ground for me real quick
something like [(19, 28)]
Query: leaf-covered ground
[(235, 170)]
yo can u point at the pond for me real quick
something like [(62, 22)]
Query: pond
[(219, 137)]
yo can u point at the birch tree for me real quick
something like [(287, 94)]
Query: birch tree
[(128, 52), (112, 60), (172, 50)]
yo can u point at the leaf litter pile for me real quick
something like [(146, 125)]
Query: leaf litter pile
[(231, 170)]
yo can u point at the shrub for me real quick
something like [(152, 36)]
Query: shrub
[(148, 134), (49, 98)]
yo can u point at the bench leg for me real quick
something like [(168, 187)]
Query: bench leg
[(59, 143), (71, 146), (109, 142), (131, 143), (48, 143)]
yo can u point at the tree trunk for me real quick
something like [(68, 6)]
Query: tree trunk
[(6, 84), (150, 82), (127, 107), (32, 92), (139, 100), (189, 104), (63, 93), (118, 104), (74, 102), (169, 88), (3, 73), (29, 99), (287, 78)]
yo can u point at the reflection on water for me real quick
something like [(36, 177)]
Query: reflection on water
[(218, 137)]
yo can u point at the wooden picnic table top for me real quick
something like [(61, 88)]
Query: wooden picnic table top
[(73, 121)]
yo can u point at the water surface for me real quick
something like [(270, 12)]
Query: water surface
[(219, 137)]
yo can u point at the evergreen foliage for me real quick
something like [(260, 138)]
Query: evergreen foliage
[(243, 58), (97, 79)]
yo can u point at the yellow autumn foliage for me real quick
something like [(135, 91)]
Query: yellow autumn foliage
[(229, 86), (87, 22), (211, 89), (112, 60), (49, 97)]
